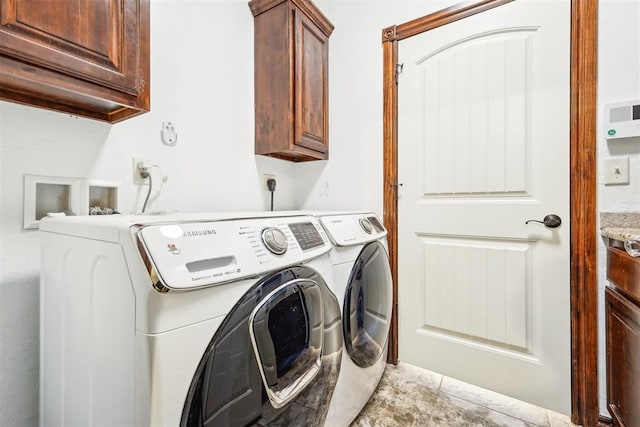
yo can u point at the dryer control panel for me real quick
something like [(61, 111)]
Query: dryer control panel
[(197, 254), (353, 229)]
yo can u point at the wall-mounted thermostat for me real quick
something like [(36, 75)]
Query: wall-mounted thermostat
[(622, 120)]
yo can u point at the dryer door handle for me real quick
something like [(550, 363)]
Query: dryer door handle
[(287, 332)]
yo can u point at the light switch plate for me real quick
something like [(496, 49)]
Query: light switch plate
[(616, 170)]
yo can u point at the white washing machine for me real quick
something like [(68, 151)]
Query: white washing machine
[(187, 320), (363, 284)]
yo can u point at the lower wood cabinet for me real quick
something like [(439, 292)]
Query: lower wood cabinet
[(623, 340)]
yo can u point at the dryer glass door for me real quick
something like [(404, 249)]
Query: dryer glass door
[(367, 306)]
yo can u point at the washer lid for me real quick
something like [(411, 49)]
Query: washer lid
[(353, 229), (191, 255)]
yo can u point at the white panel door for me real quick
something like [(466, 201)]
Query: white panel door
[(483, 147)]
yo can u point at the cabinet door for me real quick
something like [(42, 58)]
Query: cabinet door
[(623, 358), (94, 40), (311, 91)]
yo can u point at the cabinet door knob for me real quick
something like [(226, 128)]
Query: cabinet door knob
[(549, 221)]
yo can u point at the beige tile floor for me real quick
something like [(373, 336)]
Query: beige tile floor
[(410, 396)]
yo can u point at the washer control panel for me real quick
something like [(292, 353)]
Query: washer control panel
[(353, 229), (198, 254), (307, 235)]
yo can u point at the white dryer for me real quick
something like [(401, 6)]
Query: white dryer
[(363, 284), (187, 320)]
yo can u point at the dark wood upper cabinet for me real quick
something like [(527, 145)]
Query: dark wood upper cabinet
[(623, 337), (84, 57), (291, 79)]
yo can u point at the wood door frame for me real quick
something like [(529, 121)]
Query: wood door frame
[(583, 147)]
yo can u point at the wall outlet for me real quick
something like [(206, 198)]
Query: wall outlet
[(616, 171), (137, 179), (266, 177)]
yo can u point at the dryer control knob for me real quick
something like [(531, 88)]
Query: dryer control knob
[(366, 225), (275, 240)]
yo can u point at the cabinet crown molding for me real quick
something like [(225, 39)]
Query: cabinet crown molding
[(306, 6)]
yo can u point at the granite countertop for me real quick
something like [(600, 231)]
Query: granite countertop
[(620, 225)]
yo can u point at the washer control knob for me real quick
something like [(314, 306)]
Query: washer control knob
[(275, 240), (366, 225)]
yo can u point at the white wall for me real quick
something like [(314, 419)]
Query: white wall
[(618, 80)]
